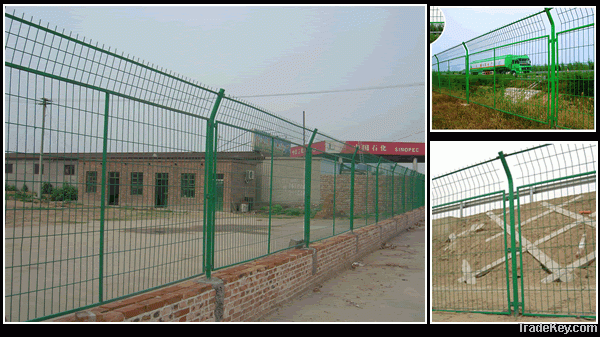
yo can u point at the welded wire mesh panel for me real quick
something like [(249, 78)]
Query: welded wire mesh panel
[(470, 268), (104, 175), (509, 68), (113, 210), (538, 258), (557, 217), (235, 111), (40, 48), (470, 265), (449, 72), (154, 198), (575, 62), (51, 237), (260, 195)]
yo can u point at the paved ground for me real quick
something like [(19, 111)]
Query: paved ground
[(387, 286)]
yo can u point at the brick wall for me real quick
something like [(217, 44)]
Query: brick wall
[(235, 188), (248, 291), (364, 193)]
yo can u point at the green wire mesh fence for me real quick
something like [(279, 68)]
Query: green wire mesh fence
[(517, 234), (436, 23), (436, 20), (121, 177), (530, 68)]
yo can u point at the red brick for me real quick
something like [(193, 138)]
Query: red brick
[(131, 310), (181, 312), (153, 303), (110, 317)]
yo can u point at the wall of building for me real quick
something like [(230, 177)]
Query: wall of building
[(235, 189), (364, 194), (248, 291), (288, 181), (54, 172)]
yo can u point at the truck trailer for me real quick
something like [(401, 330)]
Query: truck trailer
[(506, 64)]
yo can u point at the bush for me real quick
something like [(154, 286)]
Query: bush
[(276, 209), (47, 188), (293, 211), (65, 193), (25, 188)]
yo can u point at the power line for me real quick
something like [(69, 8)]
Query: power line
[(415, 133), (343, 90)]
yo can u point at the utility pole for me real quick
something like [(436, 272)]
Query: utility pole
[(44, 102), (303, 129)]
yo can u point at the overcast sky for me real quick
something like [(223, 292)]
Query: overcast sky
[(252, 51), (463, 24)]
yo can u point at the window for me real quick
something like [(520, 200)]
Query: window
[(91, 179), (188, 183), (8, 168), (36, 169), (137, 183), (69, 170)]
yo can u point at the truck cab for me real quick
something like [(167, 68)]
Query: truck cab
[(520, 65)]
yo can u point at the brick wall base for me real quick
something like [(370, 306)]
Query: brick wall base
[(248, 291)]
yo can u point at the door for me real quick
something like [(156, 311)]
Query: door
[(113, 188), (161, 189)]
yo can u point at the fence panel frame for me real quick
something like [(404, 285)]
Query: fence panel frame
[(538, 167), (532, 28), (124, 84)]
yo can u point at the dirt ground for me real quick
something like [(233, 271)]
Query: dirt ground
[(441, 316), (550, 236), (386, 286)]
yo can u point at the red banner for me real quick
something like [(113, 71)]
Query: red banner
[(378, 148), (391, 148)]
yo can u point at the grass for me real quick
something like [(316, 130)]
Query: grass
[(435, 27), (453, 113), (575, 102)]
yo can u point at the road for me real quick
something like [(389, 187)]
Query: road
[(386, 286)]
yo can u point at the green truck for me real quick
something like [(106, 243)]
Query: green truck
[(506, 64)]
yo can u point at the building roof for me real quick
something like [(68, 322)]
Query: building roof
[(252, 155)]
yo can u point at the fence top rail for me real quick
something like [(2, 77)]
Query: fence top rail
[(525, 21), (55, 53), (515, 30), (569, 18), (32, 47), (489, 160)]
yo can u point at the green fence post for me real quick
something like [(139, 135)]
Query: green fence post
[(352, 189), (553, 120), (209, 189), (393, 190), (439, 74), (335, 166), (270, 195), (377, 192), (102, 201), (307, 186), (466, 69), (494, 78), (513, 244)]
